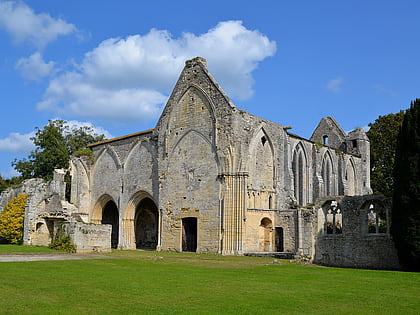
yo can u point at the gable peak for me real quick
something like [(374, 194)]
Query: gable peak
[(195, 61)]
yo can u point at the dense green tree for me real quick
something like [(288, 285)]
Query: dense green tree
[(3, 184), (54, 144), (383, 135), (405, 226), (9, 182)]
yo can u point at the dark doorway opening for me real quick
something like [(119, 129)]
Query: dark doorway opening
[(279, 239), (146, 225), (110, 216), (189, 234)]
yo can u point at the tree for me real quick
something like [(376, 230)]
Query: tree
[(3, 184), (54, 144), (10, 182), (383, 135), (11, 219), (405, 226)]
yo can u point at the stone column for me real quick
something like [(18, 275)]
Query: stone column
[(234, 213), (128, 238)]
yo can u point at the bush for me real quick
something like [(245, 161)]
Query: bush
[(63, 244), (11, 220)]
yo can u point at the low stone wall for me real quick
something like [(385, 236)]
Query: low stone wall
[(90, 238), (356, 244)]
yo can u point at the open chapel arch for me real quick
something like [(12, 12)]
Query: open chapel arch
[(300, 174), (146, 224), (140, 224)]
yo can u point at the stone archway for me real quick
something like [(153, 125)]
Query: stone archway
[(110, 216), (266, 235), (146, 224)]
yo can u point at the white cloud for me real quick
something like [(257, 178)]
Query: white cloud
[(21, 143), (11, 172), (130, 79), (17, 142), (382, 90), (334, 85), (97, 129), (34, 67), (23, 24)]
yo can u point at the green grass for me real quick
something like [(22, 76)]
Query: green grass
[(10, 249), (175, 283)]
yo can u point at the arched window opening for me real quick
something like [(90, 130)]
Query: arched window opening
[(263, 140), (299, 175), (350, 178), (333, 219), (270, 202), (327, 175), (325, 139), (377, 222)]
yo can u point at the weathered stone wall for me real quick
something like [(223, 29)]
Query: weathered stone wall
[(27, 187), (124, 172), (259, 231), (188, 164), (356, 247), (287, 220), (215, 179), (48, 215), (89, 238), (328, 171)]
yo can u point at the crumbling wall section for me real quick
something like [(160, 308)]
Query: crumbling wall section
[(89, 238), (355, 244), (28, 187)]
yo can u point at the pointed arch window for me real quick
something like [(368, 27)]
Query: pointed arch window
[(327, 174), (299, 166), (377, 219), (333, 219), (350, 178)]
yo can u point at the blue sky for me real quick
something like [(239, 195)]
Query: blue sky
[(112, 64)]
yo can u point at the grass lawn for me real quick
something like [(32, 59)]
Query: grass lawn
[(179, 283)]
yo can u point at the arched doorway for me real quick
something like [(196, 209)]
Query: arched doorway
[(146, 224), (266, 226), (110, 216)]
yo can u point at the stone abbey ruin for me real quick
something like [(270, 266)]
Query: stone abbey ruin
[(210, 178)]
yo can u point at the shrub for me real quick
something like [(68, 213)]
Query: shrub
[(63, 244), (11, 219)]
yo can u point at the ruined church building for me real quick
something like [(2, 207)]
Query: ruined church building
[(210, 178)]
